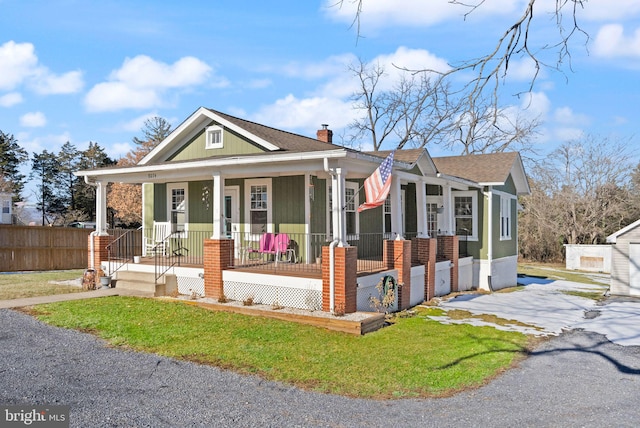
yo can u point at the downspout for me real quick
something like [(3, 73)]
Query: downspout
[(332, 245), (489, 196), (93, 234)]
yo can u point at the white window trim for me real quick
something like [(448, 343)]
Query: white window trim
[(247, 205), (356, 204), (185, 186), (209, 132), (505, 208), (474, 211)]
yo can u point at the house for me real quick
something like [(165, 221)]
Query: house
[(625, 261), (235, 208), (7, 208)]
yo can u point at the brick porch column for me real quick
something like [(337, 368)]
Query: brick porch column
[(345, 278), (427, 249), (397, 255), (451, 247), (100, 253), (218, 255)]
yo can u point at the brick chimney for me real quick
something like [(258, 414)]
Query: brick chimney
[(325, 134)]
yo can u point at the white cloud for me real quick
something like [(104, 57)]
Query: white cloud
[(10, 99), (330, 102), (51, 142), (33, 120), (142, 82), (611, 42), (118, 150), (19, 65), (306, 113), (606, 10), (67, 83), (566, 116), (18, 61), (136, 124), (385, 13)]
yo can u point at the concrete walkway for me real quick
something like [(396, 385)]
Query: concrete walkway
[(39, 300)]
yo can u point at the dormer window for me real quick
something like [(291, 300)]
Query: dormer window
[(214, 137)]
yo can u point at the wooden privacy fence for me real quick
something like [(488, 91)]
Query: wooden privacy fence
[(25, 248)]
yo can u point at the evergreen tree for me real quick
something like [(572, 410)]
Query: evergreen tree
[(11, 156), (85, 194), (46, 170)]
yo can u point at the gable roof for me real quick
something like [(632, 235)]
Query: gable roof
[(489, 169), (614, 236), (270, 139)]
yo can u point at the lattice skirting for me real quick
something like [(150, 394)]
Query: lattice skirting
[(188, 285), (274, 295)]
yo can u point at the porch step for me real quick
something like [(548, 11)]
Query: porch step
[(145, 282)]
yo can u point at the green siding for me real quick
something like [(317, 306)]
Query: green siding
[(318, 221), (200, 202), (288, 204), (160, 202), (147, 221), (234, 144)]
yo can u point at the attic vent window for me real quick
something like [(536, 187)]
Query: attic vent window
[(214, 137)]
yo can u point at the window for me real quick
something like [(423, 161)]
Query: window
[(351, 209), (466, 214), (432, 219), (258, 208), (214, 137), (386, 213), (505, 218), (177, 196), (6, 206)]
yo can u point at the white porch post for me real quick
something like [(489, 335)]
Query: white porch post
[(339, 214), (101, 208), (396, 209), (218, 206), (447, 201), (421, 203)]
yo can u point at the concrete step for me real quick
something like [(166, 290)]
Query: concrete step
[(145, 282)]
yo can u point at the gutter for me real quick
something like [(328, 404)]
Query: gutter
[(489, 196), (92, 250), (332, 245)]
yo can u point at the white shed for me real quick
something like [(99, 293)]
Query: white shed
[(5, 207), (625, 261)]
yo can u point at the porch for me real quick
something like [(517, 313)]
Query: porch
[(298, 275)]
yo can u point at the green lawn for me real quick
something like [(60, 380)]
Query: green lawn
[(413, 357), (19, 285)]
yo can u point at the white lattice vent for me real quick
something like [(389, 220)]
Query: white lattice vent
[(271, 295)]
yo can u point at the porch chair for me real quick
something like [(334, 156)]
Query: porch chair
[(158, 242), (266, 246), (282, 247)]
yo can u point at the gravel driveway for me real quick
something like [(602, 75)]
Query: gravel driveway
[(578, 379)]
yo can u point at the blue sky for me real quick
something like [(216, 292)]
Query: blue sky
[(83, 71)]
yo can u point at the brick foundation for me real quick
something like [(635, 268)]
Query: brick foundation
[(397, 255), (218, 255), (451, 246), (345, 278), (426, 254), (100, 253)]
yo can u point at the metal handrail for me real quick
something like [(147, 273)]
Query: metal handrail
[(115, 253)]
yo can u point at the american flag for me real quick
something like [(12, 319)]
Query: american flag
[(376, 186)]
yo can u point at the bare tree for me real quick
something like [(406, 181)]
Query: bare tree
[(491, 68), (418, 111), (581, 194)]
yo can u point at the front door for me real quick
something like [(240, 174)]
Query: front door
[(232, 215)]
